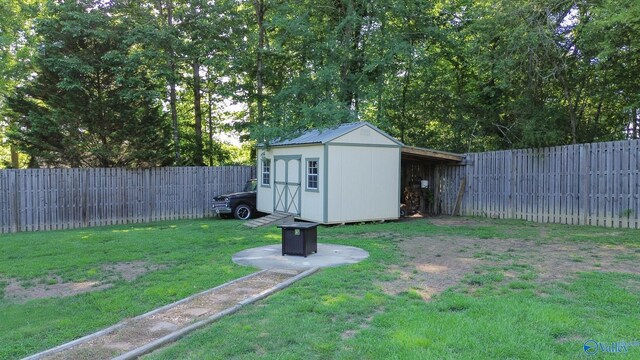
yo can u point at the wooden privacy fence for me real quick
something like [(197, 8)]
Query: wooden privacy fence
[(590, 184), (49, 199)]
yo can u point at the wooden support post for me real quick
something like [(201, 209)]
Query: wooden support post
[(456, 207), (436, 191)]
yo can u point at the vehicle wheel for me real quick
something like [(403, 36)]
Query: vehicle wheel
[(242, 212)]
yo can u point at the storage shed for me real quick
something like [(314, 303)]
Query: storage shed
[(349, 173)]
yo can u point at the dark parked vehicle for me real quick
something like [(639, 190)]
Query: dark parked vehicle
[(241, 205)]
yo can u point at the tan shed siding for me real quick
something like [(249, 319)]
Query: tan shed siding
[(363, 183), (364, 135), (264, 201), (312, 207), (311, 203)]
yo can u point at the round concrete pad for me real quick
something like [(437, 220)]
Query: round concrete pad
[(270, 257)]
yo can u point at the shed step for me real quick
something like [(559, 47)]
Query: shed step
[(271, 219)]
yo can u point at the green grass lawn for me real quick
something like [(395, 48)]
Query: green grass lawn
[(501, 309), (191, 256)]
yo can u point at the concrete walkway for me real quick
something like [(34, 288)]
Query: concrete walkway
[(146, 333), (270, 257)]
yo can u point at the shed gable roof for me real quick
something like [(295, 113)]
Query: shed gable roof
[(326, 135)]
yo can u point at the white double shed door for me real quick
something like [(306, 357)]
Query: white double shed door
[(287, 183)]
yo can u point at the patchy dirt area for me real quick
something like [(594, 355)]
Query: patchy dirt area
[(433, 264), (52, 286), (55, 286), (348, 334), (129, 271)]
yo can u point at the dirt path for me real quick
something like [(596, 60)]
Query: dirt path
[(433, 264), (137, 332)]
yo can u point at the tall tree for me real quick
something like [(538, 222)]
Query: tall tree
[(260, 10), (94, 101), (206, 33), (165, 40), (457, 75), (172, 81), (17, 49)]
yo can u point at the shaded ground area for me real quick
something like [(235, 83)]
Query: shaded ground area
[(55, 286), (453, 221), (435, 263)]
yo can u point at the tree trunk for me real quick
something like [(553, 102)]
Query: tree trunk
[(15, 158), (358, 47), (345, 10), (405, 90), (260, 9), (634, 114), (197, 110), (573, 119), (34, 164), (210, 125), (172, 89), (382, 69)]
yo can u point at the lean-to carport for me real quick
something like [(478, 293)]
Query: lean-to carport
[(425, 175)]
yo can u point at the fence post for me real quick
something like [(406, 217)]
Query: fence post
[(468, 174), (147, 190), (512, 183), (15, 200), (585, 183), (85, 190)]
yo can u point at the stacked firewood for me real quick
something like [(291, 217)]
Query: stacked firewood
[(412, 198)]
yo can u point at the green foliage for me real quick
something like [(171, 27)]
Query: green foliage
[(453, 75), (17, 47), (94, 101), (98, 98)]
